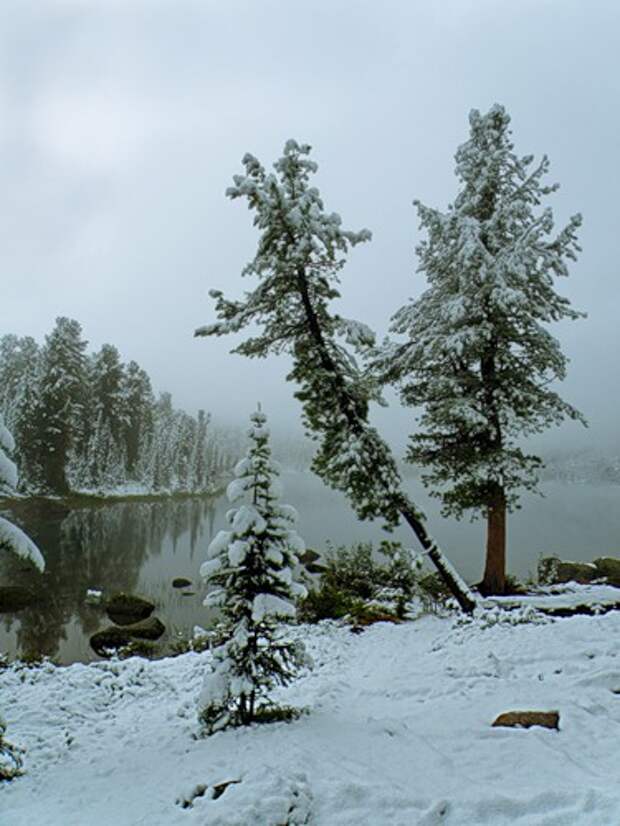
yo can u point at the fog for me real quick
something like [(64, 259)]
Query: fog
[(121, 124)]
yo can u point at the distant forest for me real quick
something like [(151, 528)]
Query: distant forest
[(88, 422)]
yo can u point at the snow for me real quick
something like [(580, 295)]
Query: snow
[(218, 544), (268, 605), (357, 334), (570, 596), (8, 473), (7, 442), (210, 567), (246, 518), (215, 598), (236, 489), (216, 686), (397, 732), (15, 540), (237, 552)]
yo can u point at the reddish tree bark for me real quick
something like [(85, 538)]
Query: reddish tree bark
[(494, 580)]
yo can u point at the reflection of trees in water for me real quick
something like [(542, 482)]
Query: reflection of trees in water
[(92, 547), (201, 511)]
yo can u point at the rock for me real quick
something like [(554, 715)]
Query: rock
[(117, 637), (315, 568), (109, 638), (93, 596), (124, 609), (308, 556), (608, 567), (15, 598), (181, 582), (526, 719), (220, 788), (582, 572), (552, 570), (149, 629), (310, 560)]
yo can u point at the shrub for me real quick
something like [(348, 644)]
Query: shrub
[(357, 584)]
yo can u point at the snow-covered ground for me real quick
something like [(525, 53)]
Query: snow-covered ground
[(568, 595), (398, 734)]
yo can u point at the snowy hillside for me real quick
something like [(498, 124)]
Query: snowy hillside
[(398, 732)]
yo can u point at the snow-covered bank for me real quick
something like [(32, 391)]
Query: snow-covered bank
[(398, 733), (122, 493)]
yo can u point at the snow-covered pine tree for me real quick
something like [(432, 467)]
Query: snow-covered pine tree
[(479, 359), (138, 402), (108, 381), (300, 254), (18, 358), (23, 412), (13, 538), (252, 568), (199, 460), (61, 399), (162, 444), (183, 449)]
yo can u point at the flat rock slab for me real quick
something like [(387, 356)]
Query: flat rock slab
[(527, 719)]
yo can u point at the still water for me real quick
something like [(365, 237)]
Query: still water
[(141, 547)]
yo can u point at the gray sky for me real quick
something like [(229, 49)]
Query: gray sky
[(121, 124)]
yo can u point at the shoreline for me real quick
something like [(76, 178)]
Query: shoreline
[(80, 499)]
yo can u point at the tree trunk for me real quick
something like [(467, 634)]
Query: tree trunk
[(54, 469), (356, 421), (494, 580), (448, 574)]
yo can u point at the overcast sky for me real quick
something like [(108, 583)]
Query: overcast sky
[(121, 124)]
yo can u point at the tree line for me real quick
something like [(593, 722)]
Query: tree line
[(88, 422)]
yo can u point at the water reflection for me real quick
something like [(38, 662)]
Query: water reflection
[(104, 547), (141, 547)]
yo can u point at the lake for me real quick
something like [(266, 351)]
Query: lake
[(140, 547)]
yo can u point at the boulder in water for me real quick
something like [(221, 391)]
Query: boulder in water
[(117, 637), (125, 609)]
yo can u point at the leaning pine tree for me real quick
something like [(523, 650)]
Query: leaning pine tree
[(252, 570), (479, 359), (12, 539), (300, 253)]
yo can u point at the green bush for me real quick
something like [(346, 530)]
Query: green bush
[(353, 577), (325, 602)]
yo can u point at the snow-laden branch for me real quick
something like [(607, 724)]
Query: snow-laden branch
[(15, 540)]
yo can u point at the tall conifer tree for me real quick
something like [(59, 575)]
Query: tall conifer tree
[(61, 399), (479, 358), (301, 250)]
